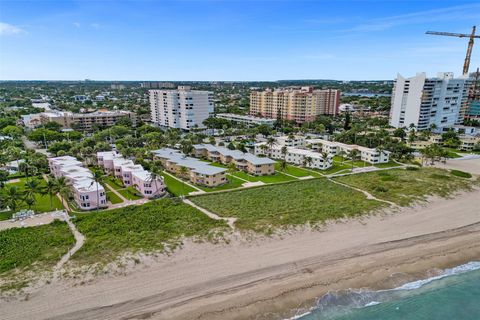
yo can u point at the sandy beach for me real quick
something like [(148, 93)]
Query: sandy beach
[(267, 278)]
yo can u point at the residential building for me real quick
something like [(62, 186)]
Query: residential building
[(131, 174), (182, 108), (293, 141), (86, 121), (300, 157), (196, 171), (248, 120), (429, 102), (87, 193), (370, 155), (295, 104), (247, 162)]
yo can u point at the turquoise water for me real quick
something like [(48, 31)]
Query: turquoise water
[(455, 294)]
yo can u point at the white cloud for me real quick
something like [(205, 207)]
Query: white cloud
[(95, 25), (466, 12), (76, 24), (9, 29)]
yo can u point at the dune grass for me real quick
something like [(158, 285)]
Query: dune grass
[(267, 208), (154, 226), (404, 187)]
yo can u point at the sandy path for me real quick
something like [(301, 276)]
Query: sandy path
[(211, 215), (242, 279), (79, 241)]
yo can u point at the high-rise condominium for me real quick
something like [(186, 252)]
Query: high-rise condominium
[(297, 104), (183, 108), (429, 102)]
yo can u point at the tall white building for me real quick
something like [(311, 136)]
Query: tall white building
[(428, 101), (182, 108)]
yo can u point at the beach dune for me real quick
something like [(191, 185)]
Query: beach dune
[(267, 278)]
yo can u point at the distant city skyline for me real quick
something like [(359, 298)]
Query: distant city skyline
[(232, 40)]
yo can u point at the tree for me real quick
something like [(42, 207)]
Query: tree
[(155, 173), (283, 165), (346, 124), (400, 133), (12, 197), (32, 187), (52, 125), (342, 154), (284, 152), (231, 146), (270, 143), (51, 188), (264, 129), (63, 189), (98, 177), (353, 155)]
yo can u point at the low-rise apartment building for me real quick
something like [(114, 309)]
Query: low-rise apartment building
[(246, 119), (196, 171), (87, 121), (249, 163), (300, 157), (131, 174), (370, 155), (87, 193)]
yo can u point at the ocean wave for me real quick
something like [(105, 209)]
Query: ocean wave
[(470, 266), (344, 300)]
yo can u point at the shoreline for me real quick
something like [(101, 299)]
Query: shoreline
[(269, 278)]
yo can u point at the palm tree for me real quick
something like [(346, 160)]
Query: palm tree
[(307, 161), (270, 143), (155, 174), (12, 197), (353, 155), (32, 187), (51, 188), (284, 152), (183, 173), (325, 158), (63, 189), (98, 176), (283, 165), (264, 148), (342, 154)]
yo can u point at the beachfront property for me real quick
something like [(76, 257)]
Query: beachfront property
[(425, 102), (87, 193), (293, 141), (196, 171), (131, 174), (370, 155), (258, 166), (300, 157), (467, 142), (246, 119)]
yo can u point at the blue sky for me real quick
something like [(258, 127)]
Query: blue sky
[(231, 40)]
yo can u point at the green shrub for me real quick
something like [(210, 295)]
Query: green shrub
[(413, 168), (461, 174)]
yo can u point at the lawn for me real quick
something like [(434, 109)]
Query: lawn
[(42, 201), (130, 193), (154, 226), (266, 208), (113, 198), (175, 187), (276, 178), (389, 164), (336, 167), (232, 183), (32, 249), (404, 187), (296, 171), (114, 183)]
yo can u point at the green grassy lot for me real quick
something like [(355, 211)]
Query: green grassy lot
[(264, 209), (407, 186), (389, 164), (114, 183), (31, 249), (276, 178), (113, 198), (336, 167), (130, 193), (233, 183), (43, 201), (156, 225), (176, 187), (296, 171)]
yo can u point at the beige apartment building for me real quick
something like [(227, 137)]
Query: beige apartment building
[(86, 121), (295, 104)]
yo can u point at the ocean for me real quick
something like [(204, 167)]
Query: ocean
[(454, 294)]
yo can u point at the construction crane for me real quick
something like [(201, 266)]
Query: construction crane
[(471, 36)]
